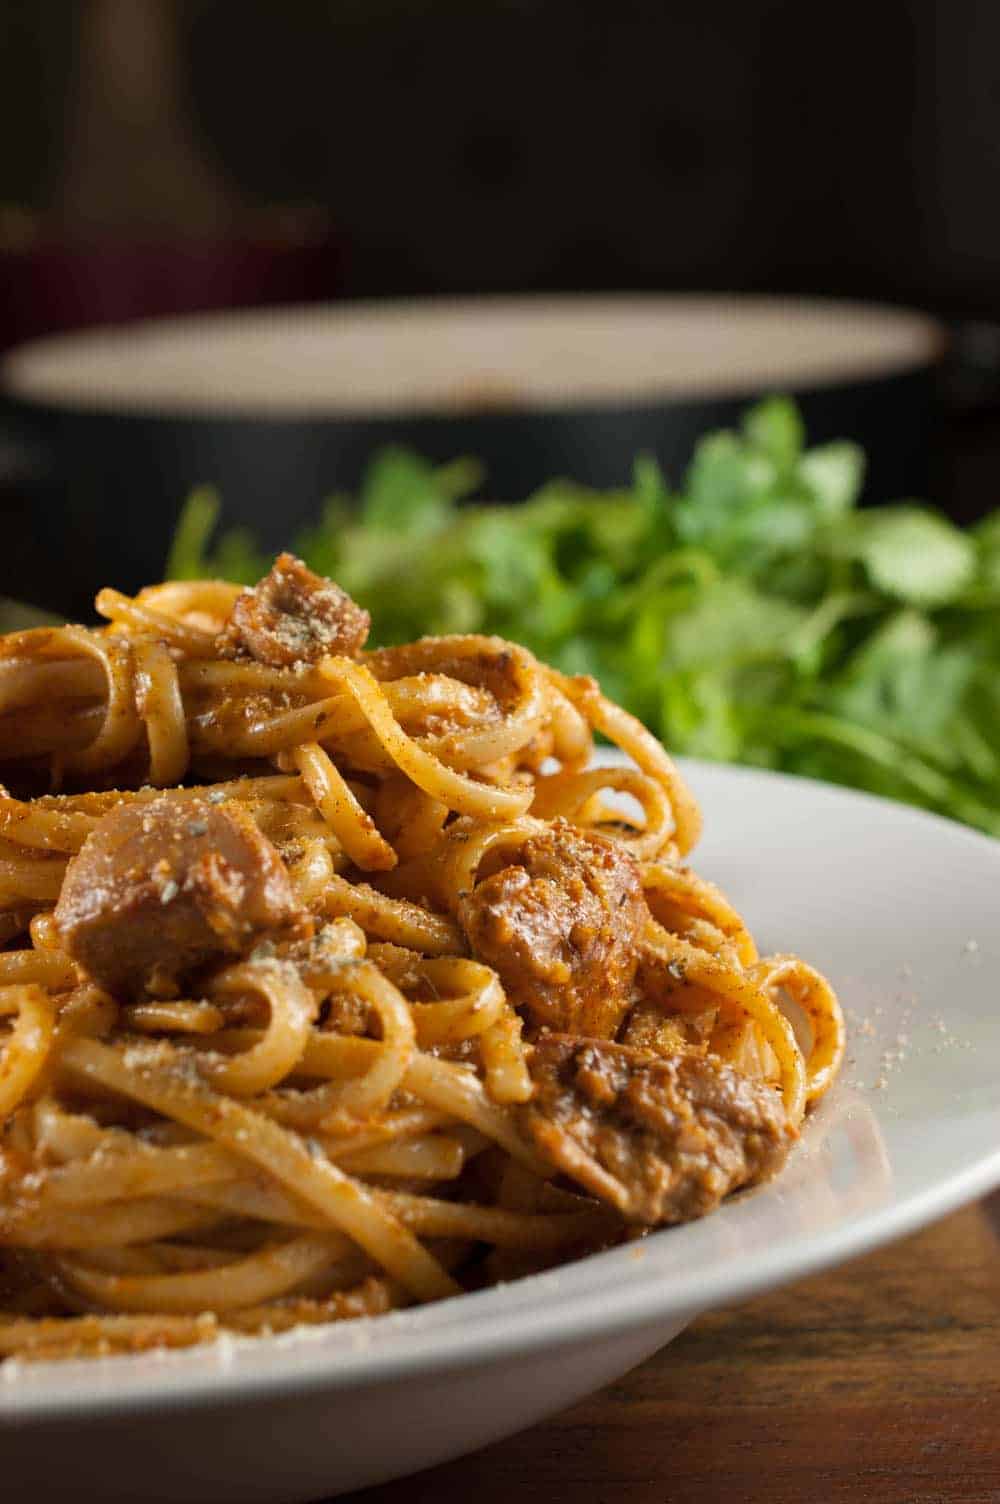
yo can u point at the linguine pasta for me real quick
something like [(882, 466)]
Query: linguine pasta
[(483, 1018)]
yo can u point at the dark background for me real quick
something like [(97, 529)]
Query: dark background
[(505, 145)]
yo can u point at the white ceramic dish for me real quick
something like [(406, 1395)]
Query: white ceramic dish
[(898, 908)]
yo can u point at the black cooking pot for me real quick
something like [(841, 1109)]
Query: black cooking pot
[(105, 433)]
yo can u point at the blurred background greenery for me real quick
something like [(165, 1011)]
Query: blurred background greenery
[(752, 615)]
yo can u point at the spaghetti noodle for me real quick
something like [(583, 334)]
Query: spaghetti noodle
[(335, 980)]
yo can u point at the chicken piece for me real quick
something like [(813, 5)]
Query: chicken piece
[(662, 1140), (561, 928), (294, 616), (160, 888)]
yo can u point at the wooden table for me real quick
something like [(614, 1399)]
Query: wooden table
[(878, 1383)]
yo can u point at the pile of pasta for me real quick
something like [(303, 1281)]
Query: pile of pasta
[(334, 1138)]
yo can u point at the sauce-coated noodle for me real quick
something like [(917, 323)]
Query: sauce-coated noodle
[(334, 980)]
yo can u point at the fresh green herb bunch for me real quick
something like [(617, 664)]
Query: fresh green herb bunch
[(755, 615)]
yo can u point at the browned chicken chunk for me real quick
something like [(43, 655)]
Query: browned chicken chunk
[(294, 616), (561, 929), (662, 1140), (160, 888)]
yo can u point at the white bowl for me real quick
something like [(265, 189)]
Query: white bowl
[(898, 908)]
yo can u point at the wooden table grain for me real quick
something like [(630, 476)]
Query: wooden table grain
[(876, 1383)]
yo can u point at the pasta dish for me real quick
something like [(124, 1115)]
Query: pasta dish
[(335, 980)]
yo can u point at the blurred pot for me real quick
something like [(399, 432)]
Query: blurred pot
[(106, 432)]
